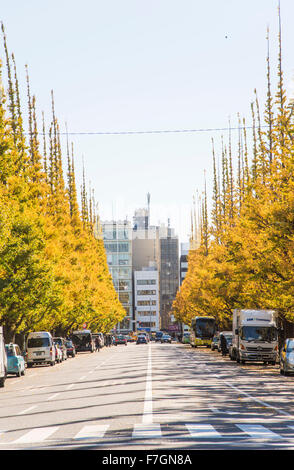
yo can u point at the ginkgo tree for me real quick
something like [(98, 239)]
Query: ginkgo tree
[(53, 271)]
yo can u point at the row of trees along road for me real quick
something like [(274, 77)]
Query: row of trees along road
[(244, 257), (53, 271)]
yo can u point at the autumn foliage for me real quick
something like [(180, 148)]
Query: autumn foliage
[(53, 270), (244, 258)]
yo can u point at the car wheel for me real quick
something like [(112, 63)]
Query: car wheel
[(24, 371), (52, 363), (18, 374)]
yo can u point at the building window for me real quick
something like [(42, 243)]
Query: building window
[(142, 303), (146, 282), (146, 313), (146, 292)]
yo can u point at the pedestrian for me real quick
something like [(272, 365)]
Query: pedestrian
[(223, 344), (97, 344)]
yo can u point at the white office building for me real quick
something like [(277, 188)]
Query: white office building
[(146, 299)]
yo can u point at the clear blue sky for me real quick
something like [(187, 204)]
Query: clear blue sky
[(125, 65)]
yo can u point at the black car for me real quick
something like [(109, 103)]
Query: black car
[(141, 339), (165, 339)]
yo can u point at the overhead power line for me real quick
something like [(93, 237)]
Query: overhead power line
[(162, 131)]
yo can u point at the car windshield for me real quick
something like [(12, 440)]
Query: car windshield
[(9, 351), (38, 342), (258, 333), (290, 346), (58, 341), (205, 327), (69, 344)]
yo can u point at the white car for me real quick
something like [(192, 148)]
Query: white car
[(40, 349), (58, 353)]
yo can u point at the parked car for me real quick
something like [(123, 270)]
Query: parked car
[(141, 339), (15, 361), (186, 338), (214, 342), (62, 345), (3, 359), (165, 339), (144, 333), (287, 357), (121, 339), (71, 350), (130, 339), (58, 353), (158, 335), (40, 348)]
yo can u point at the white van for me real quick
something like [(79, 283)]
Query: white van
[(3, 359), (40, 348)]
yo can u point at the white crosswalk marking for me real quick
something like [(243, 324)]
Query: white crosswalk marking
[(197, 431), (36, 435), (91, 432), (147, 431), (201, 431), (258, 432)]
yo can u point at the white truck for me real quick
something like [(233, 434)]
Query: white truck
[(255, 336), (3, 359)]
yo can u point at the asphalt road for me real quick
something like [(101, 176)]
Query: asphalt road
[(155, 396)]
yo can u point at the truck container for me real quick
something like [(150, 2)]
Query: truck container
[(255, 336)]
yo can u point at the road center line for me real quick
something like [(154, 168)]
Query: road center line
[(147, 417), (27, 410), (53, 396), (69, 386)]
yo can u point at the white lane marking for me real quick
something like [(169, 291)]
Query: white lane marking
[(147, 417), (263, 403), (258, 432), (27, 410), (202, 431), (146, 431), (91, 432), (82, 378), (53, 396), (36, 435)]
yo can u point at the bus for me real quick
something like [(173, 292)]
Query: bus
[(202, 331), (83, 340)]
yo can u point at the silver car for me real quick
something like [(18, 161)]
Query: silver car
[(287, 357)]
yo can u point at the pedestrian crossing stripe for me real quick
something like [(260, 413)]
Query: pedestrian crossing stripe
[(258, 431), (92, 432), (36, 435), (200, 431), (196, 431)]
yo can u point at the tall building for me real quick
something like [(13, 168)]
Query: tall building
[(146, 299), (157, 247), (169, 276), (184, 261), (117, 237)]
